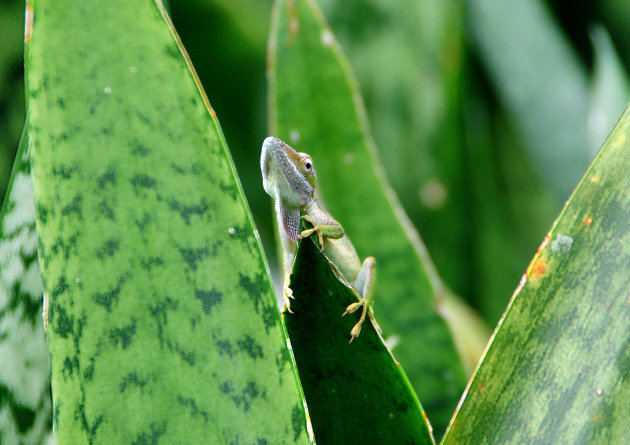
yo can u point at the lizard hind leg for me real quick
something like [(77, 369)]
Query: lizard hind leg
[(364, 284)]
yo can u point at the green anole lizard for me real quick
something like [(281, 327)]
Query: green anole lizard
[(290, 179)]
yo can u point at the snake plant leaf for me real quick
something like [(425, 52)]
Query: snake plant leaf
[(162, 322), (610, 87), (12, 110), (25, 405), (408, 58), (557, 370), (356, 392), (315, 106), (541, 82)]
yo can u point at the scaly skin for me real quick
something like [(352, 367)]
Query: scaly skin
[(290, 179)]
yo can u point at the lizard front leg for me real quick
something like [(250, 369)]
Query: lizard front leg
[(364, 284), (333, 230)]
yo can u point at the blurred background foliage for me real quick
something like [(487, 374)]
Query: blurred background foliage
[(485, 112)]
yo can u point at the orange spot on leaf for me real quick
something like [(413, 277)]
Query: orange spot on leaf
[(588, 221), (593, 178), (538, 268)]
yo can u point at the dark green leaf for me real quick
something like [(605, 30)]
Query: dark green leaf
[(356, 392), (315, 106)]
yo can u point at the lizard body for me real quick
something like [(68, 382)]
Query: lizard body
[(290, 179)]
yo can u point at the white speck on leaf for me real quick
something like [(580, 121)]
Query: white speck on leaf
[(133, 69), (327, 37), (561, 243), (599, 392), (231, 230), (107, 90)]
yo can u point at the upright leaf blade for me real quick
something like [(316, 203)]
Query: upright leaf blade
[(315, 105), (356, 392), (540, 80), (408, 58), (162, 322), (25, 405), (610, 87), (557, 369)]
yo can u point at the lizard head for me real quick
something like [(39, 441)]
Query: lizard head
[(288, 176)]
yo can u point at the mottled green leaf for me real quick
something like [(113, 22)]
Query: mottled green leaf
[(316, 107), (236, 84), (25, 406), (558, 368), (356, 392), (162, 320)]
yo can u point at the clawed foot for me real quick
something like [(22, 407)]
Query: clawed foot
[(356, 330), (314, 229), (288, 295)]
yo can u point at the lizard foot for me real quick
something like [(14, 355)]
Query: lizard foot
[(356, 330), (288, 295), (314, 229)]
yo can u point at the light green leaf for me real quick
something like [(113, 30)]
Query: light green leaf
[(408, 58), (25, 406), (356, 392), (541, 82), (316, 107), (162, 320), (557, 370), (610, 87)]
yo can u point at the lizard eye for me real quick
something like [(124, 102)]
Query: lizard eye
[(307, 166)]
